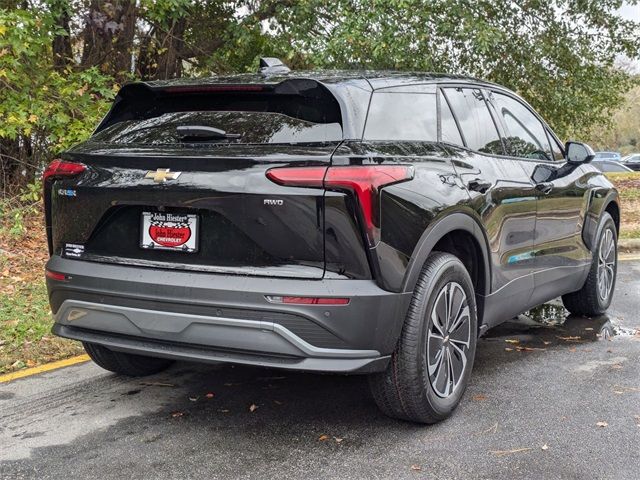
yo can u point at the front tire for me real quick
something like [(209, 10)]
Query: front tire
[(430, 368), (125, 363), (595, 295)]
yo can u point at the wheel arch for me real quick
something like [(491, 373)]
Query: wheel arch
[(601, 201), (461, 234)]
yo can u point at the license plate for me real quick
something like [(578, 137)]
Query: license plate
[(169, 231)]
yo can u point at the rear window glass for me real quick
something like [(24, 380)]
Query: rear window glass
[(475, 120), (241, 127), (402, 116)]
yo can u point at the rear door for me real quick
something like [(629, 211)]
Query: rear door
[(498, 186)]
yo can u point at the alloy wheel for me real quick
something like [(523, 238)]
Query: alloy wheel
[(606, 264), (448, 339)]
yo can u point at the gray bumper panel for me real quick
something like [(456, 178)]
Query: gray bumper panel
[(197, 353), (225, 333)]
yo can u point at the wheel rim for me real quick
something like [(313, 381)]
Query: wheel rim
[(606, 265), (448, 338)]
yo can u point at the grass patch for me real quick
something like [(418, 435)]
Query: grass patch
[(25, 317)]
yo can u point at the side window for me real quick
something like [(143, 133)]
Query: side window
[(402, 116), (448, 128), (556, 149), (475, 121), (525, 135)]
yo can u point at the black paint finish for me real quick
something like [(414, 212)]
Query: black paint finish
[(525, 226)]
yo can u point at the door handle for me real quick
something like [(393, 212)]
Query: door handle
[(544, 187), (479, 185)]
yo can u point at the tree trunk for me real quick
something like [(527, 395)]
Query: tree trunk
[(108, 37), (62, 42)]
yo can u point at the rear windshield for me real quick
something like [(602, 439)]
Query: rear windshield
[(239, 127)]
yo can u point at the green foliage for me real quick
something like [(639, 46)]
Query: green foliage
[(559, 54), (42, 111)]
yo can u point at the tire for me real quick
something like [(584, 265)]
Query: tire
[(412, 387), (125, 363), (589, 300)]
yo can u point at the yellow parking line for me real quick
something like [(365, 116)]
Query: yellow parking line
[(628, 258), (27, 372)]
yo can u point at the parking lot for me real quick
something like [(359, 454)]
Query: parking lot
[(550, 397)]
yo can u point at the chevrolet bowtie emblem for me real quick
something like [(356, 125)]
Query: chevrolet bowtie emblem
[(161, 175)]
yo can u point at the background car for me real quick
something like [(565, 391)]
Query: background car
[(611, 166), (632, 161), (614, 156)]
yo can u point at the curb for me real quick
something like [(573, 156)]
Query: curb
[(47, 367)]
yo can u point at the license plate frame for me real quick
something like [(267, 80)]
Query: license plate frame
[(176, 232)]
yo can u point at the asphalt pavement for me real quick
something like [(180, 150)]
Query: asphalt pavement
[(550, 397)]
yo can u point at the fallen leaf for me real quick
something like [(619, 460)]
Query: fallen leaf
[(513, 341), (253, 407), (572, 349), (528, 349), (323, 438), (277, 402), (209, 395), (338, 440), (193, 399), (479, 397), (501, 453), (545, 447), (589, 329), (602, 424), (575, 338), (416, 468), (223, 410), (177, 414), (508, 349), (547, 343), (616, 366)]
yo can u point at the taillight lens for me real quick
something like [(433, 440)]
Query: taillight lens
[(308, 300), (61, 168), (363, 181), (60, 277)]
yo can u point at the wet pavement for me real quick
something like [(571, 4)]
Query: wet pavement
[(551, 396)]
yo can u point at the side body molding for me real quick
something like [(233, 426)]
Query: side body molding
[(431, 236)]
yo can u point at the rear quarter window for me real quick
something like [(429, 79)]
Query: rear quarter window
[(402, 116)]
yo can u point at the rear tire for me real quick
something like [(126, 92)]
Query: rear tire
[(595, 295), (431, 365), (125, 363)]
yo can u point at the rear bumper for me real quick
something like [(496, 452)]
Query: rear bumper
[(208, 317)]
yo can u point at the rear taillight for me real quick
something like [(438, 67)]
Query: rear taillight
[(61, 168), (363, 181)]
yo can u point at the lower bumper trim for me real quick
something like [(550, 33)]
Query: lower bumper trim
[(197, 353)]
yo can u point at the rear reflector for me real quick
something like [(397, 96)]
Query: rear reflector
[(60, 168), (307, 300), (61, 277), (364, 181)]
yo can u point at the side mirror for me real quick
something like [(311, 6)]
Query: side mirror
[(578, 153)]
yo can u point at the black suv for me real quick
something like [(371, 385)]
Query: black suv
[(349, 222)]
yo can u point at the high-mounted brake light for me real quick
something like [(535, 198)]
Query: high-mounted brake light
[(214, 89), (363, 181), (60, 168)]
